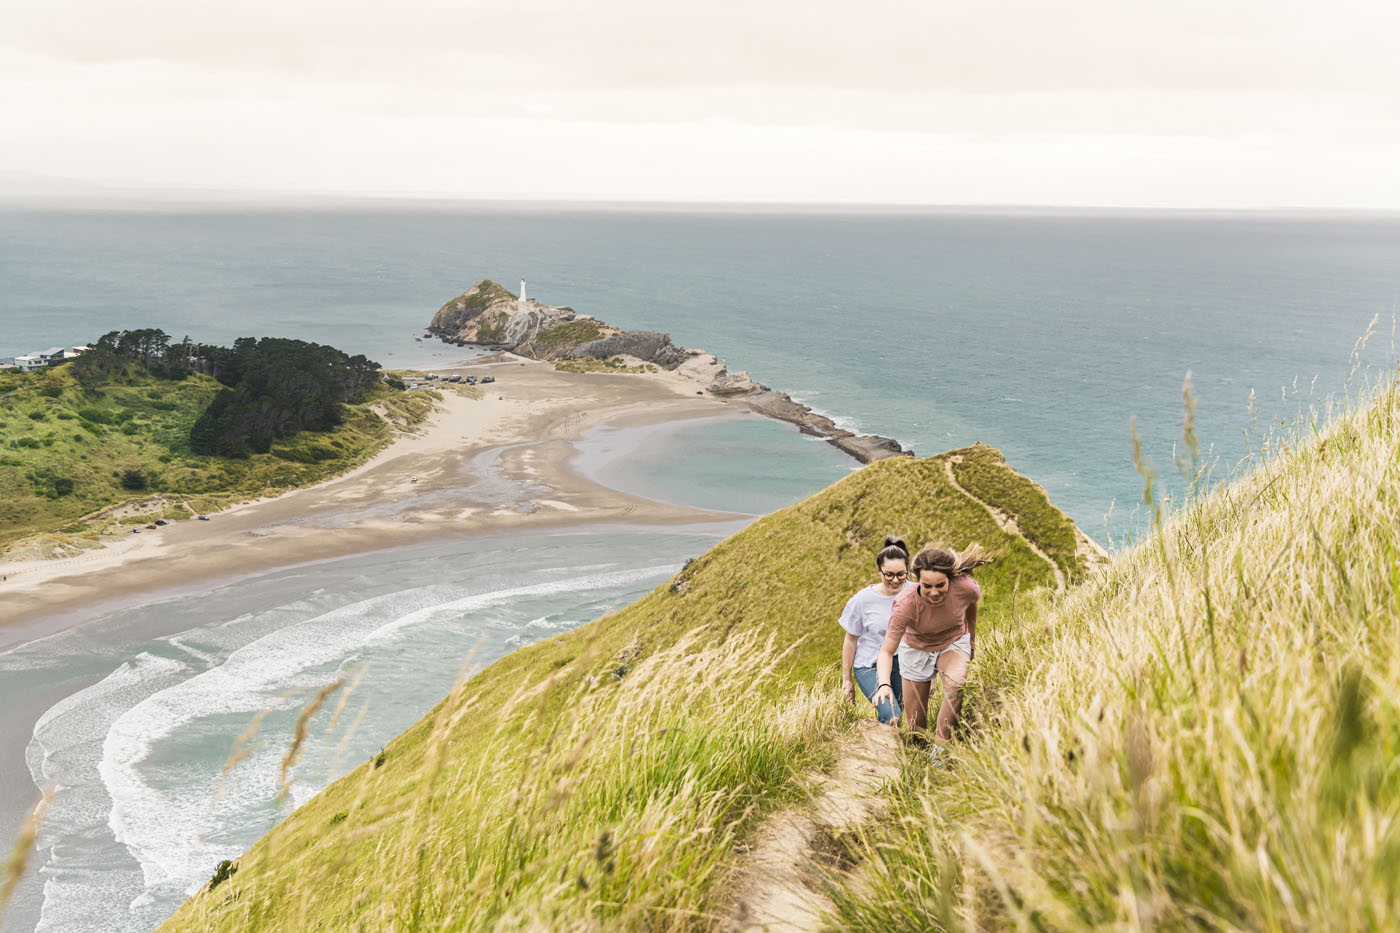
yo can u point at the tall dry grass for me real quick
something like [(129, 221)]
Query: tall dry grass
[(1205, 735), (622, 812)]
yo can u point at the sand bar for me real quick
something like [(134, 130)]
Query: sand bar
[(479, 465)]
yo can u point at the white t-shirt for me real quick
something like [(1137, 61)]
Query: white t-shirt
[(867, 615)]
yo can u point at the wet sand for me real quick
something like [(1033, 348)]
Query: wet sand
[(479, 465)]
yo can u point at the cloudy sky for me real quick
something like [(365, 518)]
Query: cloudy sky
[(1192, 103)]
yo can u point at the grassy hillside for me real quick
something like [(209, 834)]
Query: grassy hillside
[(608, 778), (67, 451), (1205, 736)]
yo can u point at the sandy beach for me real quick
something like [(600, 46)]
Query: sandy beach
[(478, 465)]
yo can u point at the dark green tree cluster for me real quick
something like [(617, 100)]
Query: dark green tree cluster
[(276, 387), (149, 346)]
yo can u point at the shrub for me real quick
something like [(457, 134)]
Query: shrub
[(225, 871), (95, 415), (62, 486), (37, 415), (134, 480), (30, 442), (51, 391)]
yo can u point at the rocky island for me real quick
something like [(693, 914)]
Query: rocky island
[(489, 315)]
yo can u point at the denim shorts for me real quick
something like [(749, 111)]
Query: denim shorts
[(868, 679)]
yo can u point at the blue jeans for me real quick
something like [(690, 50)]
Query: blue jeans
[(867, 678)]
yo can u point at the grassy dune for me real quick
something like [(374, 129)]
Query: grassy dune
[(607, 778), (67, 452), (1204, 736)]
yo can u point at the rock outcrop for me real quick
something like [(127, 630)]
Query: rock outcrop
[(647, 345), (864, 447), (489, 315)]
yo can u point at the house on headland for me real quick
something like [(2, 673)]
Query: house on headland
[(31, 362)]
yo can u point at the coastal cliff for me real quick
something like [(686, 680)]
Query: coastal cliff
[(487, 314)]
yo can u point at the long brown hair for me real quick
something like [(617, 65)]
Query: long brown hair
[(946, 560)]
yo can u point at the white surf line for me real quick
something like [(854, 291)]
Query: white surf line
[(1005, 522)]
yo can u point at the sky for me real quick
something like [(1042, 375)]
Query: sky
[(1117, 103)]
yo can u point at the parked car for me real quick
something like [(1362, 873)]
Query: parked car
[(151, 526), (161, 521), (203, 518), (486, 379), (136, 531)]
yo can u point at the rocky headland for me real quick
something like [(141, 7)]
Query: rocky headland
[(489, 315)]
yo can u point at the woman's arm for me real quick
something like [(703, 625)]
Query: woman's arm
[(884, 666), (971, 616), (848, 660)]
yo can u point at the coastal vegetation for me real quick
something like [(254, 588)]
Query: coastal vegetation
[(78, 441), (1201, 733), (610, 777)]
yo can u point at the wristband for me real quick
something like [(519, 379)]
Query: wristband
[(878, 686)]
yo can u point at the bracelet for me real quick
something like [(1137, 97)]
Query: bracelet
[(878, 686)]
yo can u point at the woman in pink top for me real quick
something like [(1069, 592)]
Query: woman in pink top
[(933, 627)]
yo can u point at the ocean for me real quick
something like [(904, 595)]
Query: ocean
[(1042, 334)]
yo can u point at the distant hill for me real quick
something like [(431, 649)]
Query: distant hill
[(74, 443)]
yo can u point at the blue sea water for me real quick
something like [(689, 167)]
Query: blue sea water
[(1040, 334)]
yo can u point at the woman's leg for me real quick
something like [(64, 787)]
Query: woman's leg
[(952, 664), (916, 703), (897, 686)]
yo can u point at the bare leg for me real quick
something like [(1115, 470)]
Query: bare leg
[(953, 666), (916, 704)]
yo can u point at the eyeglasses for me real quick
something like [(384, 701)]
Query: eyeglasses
[(893, 574)]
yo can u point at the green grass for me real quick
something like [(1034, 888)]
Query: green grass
[(604, 779), (1203, 735), (484, 293), (591, 364), (982, 472), (65, 450), (564, 337)]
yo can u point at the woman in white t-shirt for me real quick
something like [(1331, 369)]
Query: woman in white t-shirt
[(865, 618)]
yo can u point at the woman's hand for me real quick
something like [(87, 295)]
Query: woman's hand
[(882, 693), (848, 690)]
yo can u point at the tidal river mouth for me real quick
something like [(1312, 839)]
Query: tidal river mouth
[(132, 717)]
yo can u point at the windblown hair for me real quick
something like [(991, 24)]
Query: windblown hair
[(894, 549), (949, 561)]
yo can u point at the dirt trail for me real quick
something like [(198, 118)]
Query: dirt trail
[(777, 884), (1007, 523)]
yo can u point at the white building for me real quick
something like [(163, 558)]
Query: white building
[(30, 362)]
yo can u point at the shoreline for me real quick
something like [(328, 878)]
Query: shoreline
[(485, 465)]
